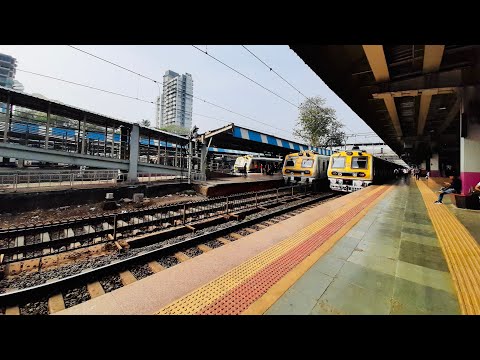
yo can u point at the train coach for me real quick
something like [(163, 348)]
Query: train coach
[(353, 170), (254, 164), (305, 167)]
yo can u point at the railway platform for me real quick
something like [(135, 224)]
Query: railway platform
[(381, 250), (237, 184)]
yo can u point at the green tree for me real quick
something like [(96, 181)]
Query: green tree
[(29, 115), (145, 123), (175, 129), (317, 124)]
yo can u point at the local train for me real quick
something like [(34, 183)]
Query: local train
[(305, 167), (254, 163), (352, 170)]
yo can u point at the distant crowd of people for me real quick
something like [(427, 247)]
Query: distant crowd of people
[(453, 186), (269, 169)]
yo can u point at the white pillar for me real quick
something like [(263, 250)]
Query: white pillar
[(203, 159), (189, 163), (470, 158), (134, 149), (84, 135), (113, 142), (7, 120), (47, 126), (434, 166), (470, 141)]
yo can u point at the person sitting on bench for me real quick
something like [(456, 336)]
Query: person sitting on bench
[(454, 187)]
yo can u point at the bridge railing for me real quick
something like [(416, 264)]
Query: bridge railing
[(64, 134), (40, 179), (15, 181)]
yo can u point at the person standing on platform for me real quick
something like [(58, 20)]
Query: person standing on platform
[(245, 170), (455, 187)]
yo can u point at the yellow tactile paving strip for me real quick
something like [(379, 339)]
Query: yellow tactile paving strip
[(200, 298), (460, 249)]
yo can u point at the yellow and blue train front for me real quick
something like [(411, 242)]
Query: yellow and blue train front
[(299, 168), (348, 182), (350, 171)]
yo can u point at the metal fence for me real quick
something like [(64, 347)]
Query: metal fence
[(197, 176), (35, 179), (14, 181)]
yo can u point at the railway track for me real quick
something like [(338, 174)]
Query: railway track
[(98, 276), (40, 240)]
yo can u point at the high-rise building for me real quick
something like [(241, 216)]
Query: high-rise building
[(18, 86), (8, 67), (176, 100)]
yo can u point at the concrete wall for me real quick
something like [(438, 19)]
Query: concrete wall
[(233, 188), (19, 202)]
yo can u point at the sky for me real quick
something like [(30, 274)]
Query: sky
[(212, 81)]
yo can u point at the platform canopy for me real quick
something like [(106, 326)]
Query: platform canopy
[(410, 95), (37, 103), (221, 151), (242, 139)]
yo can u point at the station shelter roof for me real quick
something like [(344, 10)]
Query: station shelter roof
[(246, 140)]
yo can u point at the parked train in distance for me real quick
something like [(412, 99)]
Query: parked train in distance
[(305, 167), (352, 170), (254, 163)]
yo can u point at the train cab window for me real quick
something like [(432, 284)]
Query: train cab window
[(307, 163), (360, 162), (290, 161), (338, 162)]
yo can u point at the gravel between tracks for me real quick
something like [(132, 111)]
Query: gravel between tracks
[(75, 296), (31, 279), (243, 232), (35, 308), (214, 244), (229, 237), (141, 271), (111, 282), (167, 261), (192, 252)]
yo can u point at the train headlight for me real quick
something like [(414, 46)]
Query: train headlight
[(334, 173), (307, 171), (355, 174), (339, 174), (361, 174), (287, 171)]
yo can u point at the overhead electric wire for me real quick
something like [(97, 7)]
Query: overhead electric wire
[(208, 102), (142, 100), (245, 76), (112, 63), (271, 69), (281, 77), (87, 86), (246, 117)]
